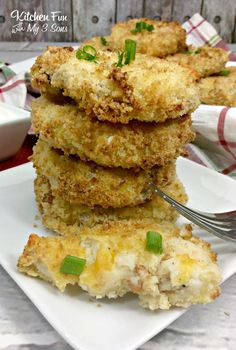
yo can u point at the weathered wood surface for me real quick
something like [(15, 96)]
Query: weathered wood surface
[(183, 10), (129, 9), (65, 7), (158, 9), (222, 15), (86, 18), (93, 18), (21, 6)]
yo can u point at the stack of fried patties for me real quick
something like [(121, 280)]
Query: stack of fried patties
[(107, 129)]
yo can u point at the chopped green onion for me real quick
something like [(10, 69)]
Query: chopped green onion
[(192, 52), (154, 242), (103, 41), (72, 265), (189, 52), (130, 50), (149, 27), (142, 26), (128, 54), (120, 59), (90, 48), (88, 53), (224, 72), (198, 51)]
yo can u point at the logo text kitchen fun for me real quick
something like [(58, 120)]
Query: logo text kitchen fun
[(35, 22)]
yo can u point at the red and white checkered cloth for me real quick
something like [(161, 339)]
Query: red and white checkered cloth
[(215, 126), (200, 32), (14, 91), (215, 145)]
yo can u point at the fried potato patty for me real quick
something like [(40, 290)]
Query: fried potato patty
[(88, 183), (117, 262), (148, 89), (137, 144), (205, 60), (65, 217), (219, 90), (166, 38)]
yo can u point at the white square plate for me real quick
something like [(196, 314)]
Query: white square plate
[(116, 324)]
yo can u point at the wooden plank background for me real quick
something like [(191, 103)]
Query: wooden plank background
[(87, 18)]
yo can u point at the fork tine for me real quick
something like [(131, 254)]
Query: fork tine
[(219, 232), (225, 230), (223, 224), (221, 217), (208, 217)]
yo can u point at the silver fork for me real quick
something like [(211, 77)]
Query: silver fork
[(222, 225)]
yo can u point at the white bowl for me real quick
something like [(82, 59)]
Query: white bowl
[(14, 125)]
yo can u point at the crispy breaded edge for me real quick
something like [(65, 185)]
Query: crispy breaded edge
[(64, 217), (219, 90), (207, 61), (136, 145), (87, 183), (46, 63)]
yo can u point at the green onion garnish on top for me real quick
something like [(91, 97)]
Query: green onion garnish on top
[(224, 72), (193, 52), (140, 26), (103, 41), (128, 55), (189, 52), (130, 50), (120, 59), (154, 242), (198, 51), (88, 53), (72, 265)]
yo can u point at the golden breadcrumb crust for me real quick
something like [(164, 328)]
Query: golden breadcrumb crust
[(148, 89), (117, 262), (219, 90), (204, 60), (44, 66), (167, 37), (88, 183), (137, 144), (97, 43), (63, 217)]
